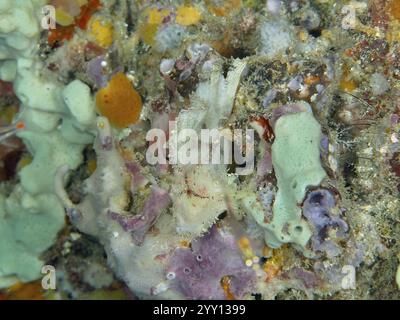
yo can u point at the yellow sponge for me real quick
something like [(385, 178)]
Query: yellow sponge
[(102, 32), (187, 16)]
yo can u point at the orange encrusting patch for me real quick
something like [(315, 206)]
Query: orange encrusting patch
[(119, 102), (311, 80), (25, 291), (66, 33), (394, 8), (225, 10), (226, 286), (87, 12), (20, 125), (273, 266), (346, 83), (245, 247), (60, 34), (223, 46), (184, 244)]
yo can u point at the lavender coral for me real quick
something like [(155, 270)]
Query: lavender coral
[(139, 224), (318, 209)]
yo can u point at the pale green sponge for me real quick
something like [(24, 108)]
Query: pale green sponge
[(50, 152), (28, 225), (297, 165), (59, 121)]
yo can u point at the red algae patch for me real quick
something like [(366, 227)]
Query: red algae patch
[(66, 32)]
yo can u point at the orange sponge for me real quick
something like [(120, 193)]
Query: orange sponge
[(119, 102)]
